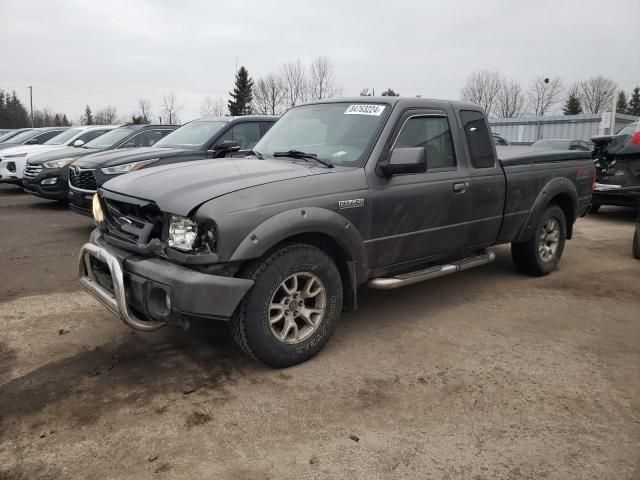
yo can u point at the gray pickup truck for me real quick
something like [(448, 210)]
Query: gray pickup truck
[(382, 192)]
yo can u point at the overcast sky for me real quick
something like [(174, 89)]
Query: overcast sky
[(115, 52)]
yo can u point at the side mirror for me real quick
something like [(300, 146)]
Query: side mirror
[(78, 143), (405, 160), (227, 146)]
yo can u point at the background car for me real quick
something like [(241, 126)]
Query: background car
[(12, 133), (205, 138), (562, 144), (32, 136), (13, 160), (46, 174), (617, 168), (499, 140)]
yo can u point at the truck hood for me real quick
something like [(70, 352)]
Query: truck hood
[(126, 155), (38, 158), (180, 187)]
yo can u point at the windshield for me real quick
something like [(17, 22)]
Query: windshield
[(24, 136), (555, 144), (63, 137), (628, 129), (193, 135), (337, 132), (7, 135), (109, 139)]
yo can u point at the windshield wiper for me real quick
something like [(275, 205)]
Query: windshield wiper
[(304, 156)]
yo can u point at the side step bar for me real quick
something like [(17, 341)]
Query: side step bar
[(389, 283)]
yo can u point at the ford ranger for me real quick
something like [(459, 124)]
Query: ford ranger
[(383, 192)]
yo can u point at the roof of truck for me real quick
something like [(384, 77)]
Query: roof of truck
[(409, 101)]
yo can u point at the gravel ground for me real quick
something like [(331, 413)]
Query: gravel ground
[(483, 375)]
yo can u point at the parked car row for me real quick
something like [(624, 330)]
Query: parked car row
[(74, 162)]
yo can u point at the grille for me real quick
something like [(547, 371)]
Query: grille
[(32, 171), (133, 223), (82, 179)]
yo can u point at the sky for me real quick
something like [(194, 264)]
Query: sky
[(116, 52)]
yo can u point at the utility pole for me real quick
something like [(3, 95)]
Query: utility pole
[(31, 102)]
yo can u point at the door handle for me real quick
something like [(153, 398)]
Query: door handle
[(460, 187)]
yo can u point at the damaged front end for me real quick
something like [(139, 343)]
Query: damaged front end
[(617, 160)]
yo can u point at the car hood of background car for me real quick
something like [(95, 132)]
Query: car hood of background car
[(180, 187), (127, 155), (58, 154)]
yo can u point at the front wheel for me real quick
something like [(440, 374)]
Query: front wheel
[(540, 255), (291, 311)]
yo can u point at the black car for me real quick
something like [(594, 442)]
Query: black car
[(46, 175), (196, 140), (32, 136), (618, 168)]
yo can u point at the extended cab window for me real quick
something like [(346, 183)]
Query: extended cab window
[(434, 135), (478, 139)]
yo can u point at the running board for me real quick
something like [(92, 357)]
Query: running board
[(389, 283)]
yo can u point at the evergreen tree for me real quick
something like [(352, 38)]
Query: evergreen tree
[(634, 103), (572, 106), (242, 95), (390, 93), (621, 104), (65, 121), (87, 118)]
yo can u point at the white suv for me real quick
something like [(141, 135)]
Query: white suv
[(14, 159)]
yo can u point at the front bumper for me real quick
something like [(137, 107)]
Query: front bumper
[(8, 172), (149, 293), (605, 194), (56, 191)]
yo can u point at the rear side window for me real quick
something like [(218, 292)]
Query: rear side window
[(478, 139), (431, 133)]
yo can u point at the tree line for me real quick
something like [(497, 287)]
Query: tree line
[(13, 114), (502, 97)]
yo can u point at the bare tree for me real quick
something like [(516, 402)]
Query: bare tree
[(270, 95), (213, 107), (322, 79), (106, 116), (483, 88), (510, 101), (145, 109), (596, 94), (170, 108), (544, 93), (295, 78)]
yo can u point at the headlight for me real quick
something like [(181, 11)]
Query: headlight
[(182, 233), (58, 163), (127, 167), (96, 207), (16, 155)]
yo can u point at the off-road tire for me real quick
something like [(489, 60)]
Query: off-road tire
[(250, 326), (526, 255)]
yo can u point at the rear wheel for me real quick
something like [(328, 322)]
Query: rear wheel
[(291, 311), (540, 255)]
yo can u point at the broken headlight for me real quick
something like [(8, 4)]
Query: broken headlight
[(189, 236)]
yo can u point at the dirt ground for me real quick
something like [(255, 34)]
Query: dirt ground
[(482, 375)]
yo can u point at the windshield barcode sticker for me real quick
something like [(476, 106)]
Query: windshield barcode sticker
[(375, 110)]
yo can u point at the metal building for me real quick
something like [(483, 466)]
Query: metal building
[(526, 130)]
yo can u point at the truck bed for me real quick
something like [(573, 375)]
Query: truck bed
[(517, 155)]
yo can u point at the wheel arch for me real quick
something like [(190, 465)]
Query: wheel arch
[(559, 191)]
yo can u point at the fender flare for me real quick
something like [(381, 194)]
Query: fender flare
[(306, 220), (555, 187)]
